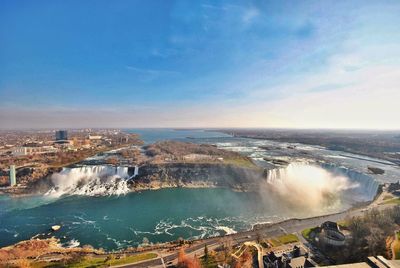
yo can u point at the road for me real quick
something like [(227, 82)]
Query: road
[(291, 226), (259, 253)]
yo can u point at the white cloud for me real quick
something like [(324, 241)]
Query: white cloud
[(372, 103), (361, 92)]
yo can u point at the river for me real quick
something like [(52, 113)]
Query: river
[(116, 222)]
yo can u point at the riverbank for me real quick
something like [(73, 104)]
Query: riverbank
[(30, 175), (52, 250), (162, 165), (198, 175), (152, 177)]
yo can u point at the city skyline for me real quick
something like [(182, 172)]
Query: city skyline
[(264, 64)]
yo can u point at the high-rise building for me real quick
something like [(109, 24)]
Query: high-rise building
[(13, 179), (61, 135)]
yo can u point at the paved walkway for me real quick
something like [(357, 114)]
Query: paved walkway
[(260, 253)]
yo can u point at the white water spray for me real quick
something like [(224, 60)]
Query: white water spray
[(91, 180), (312, 187)]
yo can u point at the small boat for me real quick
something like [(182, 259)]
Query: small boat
[(55, 227)]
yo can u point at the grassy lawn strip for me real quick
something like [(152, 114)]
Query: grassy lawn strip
[(274, 242), (387, 197), (133, 259), (92, 262), (88, 262), (284, 239), (241, 162), (306, 233), (393, 201), (106, 262), (343, 224), (289, 238)]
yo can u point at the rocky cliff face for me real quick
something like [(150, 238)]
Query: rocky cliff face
[(167, 175), (198, 175), (33, 180)]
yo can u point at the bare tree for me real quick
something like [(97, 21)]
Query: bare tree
[(376, 242), (186, 262), (227, 245), (258, 237)]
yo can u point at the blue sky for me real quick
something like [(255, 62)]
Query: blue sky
[(301, 64)]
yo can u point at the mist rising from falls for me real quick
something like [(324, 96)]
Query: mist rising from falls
[(367, 188), (310, 187), (91, 181)]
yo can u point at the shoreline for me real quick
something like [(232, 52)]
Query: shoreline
[(200, 185), (171, 247), (254, 228)]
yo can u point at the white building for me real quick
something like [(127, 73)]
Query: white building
[(25, 150), (95, 137)]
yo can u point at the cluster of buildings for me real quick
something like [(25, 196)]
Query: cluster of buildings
[(61, 142), (27, 149), (330, 234), (371, 262), (296, 258), (34, 148), (30, 150)]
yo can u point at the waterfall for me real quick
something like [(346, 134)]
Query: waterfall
[(310, 185), (367, 185), (90, 180)]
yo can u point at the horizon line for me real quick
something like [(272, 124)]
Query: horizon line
[(207, 128)]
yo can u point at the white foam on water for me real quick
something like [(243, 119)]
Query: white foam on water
[(73, 243), (226, 229)]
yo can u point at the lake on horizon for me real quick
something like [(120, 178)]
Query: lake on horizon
[(151, 135)]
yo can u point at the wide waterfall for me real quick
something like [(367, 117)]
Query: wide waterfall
[(367, 186), (91, 180), (314, 186)]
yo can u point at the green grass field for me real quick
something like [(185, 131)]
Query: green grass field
[(98, 261), (306, 233), (387, 197), (393, 201), (343, 224), (88, 262), (240, 162), (284, 239), (133, 259)]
